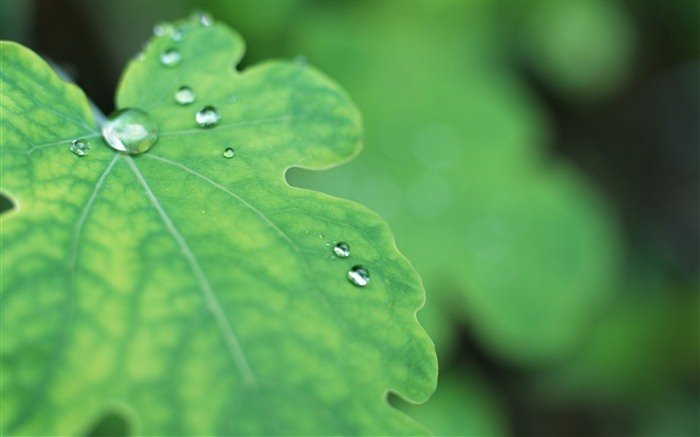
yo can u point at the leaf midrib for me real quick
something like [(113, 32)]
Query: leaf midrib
[(230, 337)]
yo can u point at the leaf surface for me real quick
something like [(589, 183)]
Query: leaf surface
[(519, 245), (187, 292)]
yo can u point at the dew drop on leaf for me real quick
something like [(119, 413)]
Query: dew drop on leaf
[(185, 95), (178, 34), (130, 130), (202, 18), (229, 153), (208, 116), (171, 58), (341, 250), (358, 276), (161, 29), (80, 147)]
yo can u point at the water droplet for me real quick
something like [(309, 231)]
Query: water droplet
[(202, 18), (171, 58), (341, 250), (208, 116), (321, 236), (178, 34), (358, 276), (231, 99), (185, 95), (130, 130), (161, 29), (80, 147), (229, 153)]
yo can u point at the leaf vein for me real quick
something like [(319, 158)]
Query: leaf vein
[(232, 341)]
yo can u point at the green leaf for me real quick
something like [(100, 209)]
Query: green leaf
[(583, 50), (186, 293), (455, 162)]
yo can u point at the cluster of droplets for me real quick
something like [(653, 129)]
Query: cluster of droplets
[(134, 131), (208, 116), (358, 275), (177, 34)]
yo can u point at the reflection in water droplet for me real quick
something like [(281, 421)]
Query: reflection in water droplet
[(208, 116), (185, 95), (358, 276), (80, 147), (130, 130), (341, 250), (229, 153), (171, 58)]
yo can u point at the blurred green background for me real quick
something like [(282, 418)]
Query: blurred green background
[(538, 163)]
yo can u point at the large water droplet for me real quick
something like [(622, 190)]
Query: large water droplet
[(341, 250), (229, 153), (358, 276), (185, 95), (171, 58), (130, 130), (80, 147), (208, 116)]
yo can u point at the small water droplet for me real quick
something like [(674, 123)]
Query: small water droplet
[(231, 99), (171, 58), (130, 130), (321, 236), (163, 28), (202, 18), (178, 35), (229, 153), (341, 250), (185, 95), (80, 147), (358, 276), (208, 116)]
